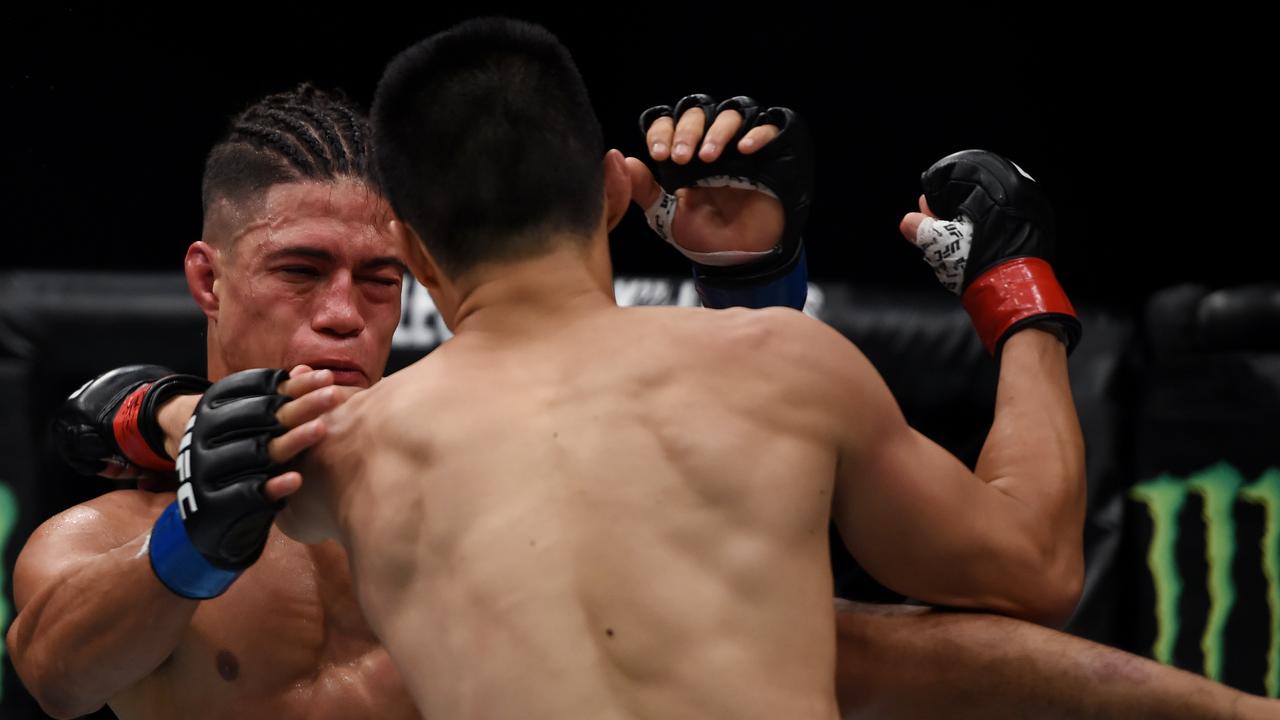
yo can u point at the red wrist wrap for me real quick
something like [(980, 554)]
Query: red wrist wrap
[(129, 437), (1010, 293)]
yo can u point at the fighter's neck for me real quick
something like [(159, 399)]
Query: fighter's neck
[(215, 368), (527, 294)]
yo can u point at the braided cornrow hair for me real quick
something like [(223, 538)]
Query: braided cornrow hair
[(303, 134)]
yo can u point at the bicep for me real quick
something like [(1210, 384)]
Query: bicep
[(911, 513)]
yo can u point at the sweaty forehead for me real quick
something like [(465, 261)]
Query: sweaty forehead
[(340, 198), (345, 214)]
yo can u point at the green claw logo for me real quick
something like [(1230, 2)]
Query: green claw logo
[(8, 522), (1220, 487)]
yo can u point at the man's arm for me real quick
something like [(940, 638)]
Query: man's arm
[(1042, 520), (92, 617), (1005, 537)]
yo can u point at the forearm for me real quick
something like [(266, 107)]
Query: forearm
[(101, 627), (1034, 453)]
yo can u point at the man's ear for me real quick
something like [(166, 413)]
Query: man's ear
[(427, 272), (424, 267), (203, 269), (617, 188)]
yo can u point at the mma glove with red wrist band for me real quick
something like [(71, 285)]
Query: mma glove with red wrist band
[(993, 248), (219, 523), (111, 420)]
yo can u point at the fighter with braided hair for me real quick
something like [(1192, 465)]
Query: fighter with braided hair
[(146, 601)]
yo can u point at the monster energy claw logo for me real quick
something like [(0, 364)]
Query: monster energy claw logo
[(8, 523), (1220, 487)]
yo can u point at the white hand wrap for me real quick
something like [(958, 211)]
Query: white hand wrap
[(946, 245)]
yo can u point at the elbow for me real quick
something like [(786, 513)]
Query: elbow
[(57, 698), (44, 680), (1051, 558), (56, 707), (1053, 607), (1051, 588), (1068, 585)]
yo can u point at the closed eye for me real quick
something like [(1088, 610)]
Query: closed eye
[(384, 280)]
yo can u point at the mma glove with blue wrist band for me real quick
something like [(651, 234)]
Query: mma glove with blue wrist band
[(219, 523), (783, 168)]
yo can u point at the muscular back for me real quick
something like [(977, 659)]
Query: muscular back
[(622, 517)]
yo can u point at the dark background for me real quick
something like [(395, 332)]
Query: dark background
[(1128, 118), (1142, 125)]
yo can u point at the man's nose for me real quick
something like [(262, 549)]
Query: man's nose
[(338, 312)]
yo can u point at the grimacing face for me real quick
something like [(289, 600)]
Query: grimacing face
[(312, 275)]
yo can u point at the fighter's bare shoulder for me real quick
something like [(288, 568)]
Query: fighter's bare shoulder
[(108, 519), (776, 324), (367, 413), (788, 335), (92, 527), (808, 358)]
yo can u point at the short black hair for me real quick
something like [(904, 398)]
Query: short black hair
[(303, 134), (487, 144)]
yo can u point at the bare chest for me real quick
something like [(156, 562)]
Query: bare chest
[(286, 640)]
